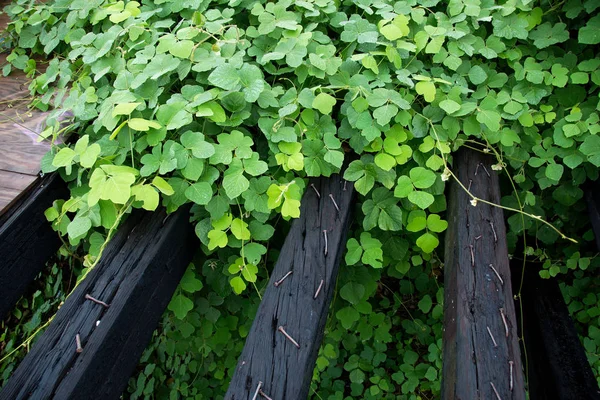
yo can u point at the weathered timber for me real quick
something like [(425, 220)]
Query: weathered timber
[(557, 366), (137, 275), (27, 240), (269, 356), (480, 337)]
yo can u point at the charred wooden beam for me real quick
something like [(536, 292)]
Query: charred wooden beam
[(481, 349), (27, 239), (280, 351), (557, 366), (136, 277)]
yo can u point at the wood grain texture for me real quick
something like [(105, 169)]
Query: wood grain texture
[(137, 276), (558, 368), (268, 357), (473, 292), (14, 180), (27, 240)]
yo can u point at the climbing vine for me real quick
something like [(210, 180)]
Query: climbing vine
[(232, 105)]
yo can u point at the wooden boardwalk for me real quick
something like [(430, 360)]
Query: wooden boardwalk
[(20, 149)]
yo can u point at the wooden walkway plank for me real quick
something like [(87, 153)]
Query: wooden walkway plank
[(27, 239), (558, 368), (269, 356), (137, 276), (481, 346)]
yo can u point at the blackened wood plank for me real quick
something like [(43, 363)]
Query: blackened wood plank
[(27, 240), (137, 276), (474, 368), (558, 368), (268, 356)]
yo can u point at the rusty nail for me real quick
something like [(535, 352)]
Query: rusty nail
[(504, 321), (78, 343), (334, 203), (279, 282), (257, 390), (291, 339), (495, 391), (312, 185), (318, 289), (497, 274), (88, 297), (492, 336)]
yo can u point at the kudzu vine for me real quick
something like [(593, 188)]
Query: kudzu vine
[(232, 105)]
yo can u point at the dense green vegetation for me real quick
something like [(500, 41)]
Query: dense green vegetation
[(232, 105)]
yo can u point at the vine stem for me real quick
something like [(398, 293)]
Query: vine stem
[(477, 199)]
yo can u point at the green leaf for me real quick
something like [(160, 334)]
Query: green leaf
[(238, 284), (225, 76), (489, 118), (354, 252), (140, 124), (450, 106), (162, 185), (477, 75), (180, 305), (124, 108), (385, 113), (436, 224), (324, 103), (239, 228), (554, 171), (352, 292), (421, 199), (217, 238), (79, 226), (195, 142), (425, 304), (147, 195), (422, 178), (590, 33), (347, 316), (189, 282), (427, 242), (426, 89), (234, 181), (200, 193)]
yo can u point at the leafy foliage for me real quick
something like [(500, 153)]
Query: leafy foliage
[(232, 105)]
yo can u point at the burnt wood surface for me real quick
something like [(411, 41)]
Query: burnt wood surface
[(558, 368), (137, 276), (473, 367), (27, 239), (268, 356)]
